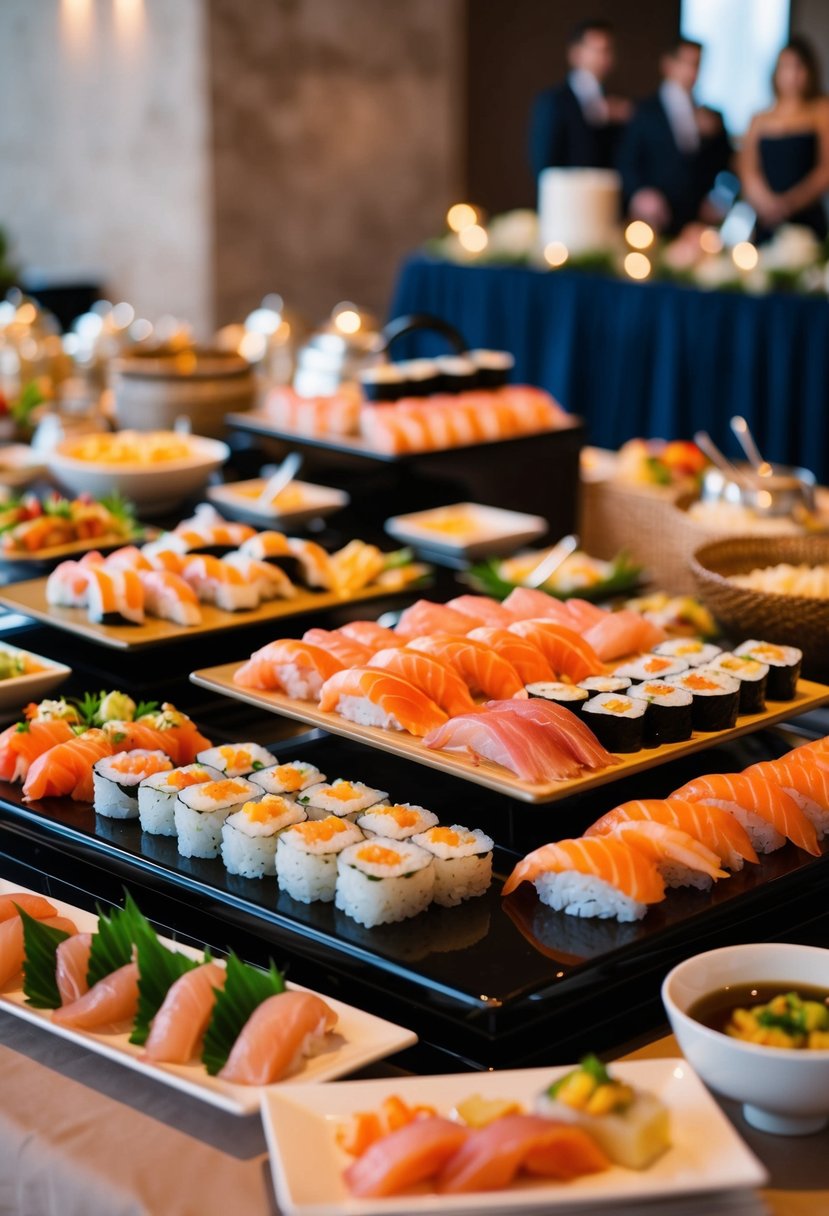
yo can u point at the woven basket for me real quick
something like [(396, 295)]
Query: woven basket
[(787, 619)]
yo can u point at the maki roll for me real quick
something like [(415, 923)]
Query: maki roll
[(652, 667), (458, 374), (617, 721), (397, 822), (492, 367), (381, 881), (157, 796), (115, 781), (306, 857), (421, 377), (343, 798), (668, 718), (463, 862), (250, 835), (291, 778), (383, 383), (201, 810), (783, 662), (716, 697), (752, 676), (593, 685), (571, 696), (694, 652), (237, 759)]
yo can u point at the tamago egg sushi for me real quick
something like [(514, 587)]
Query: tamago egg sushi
[(292, 778), (463, 862), (237, 759), (157, 795), (115, 780), (381, 881), (201, 810), (398, 822), (306, 857), (345, 798), (250, 835)]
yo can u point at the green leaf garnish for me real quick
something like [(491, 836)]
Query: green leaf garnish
[(40, 944), (158, 970), (592, 1065), (22, 728), (624, 576), (146, 707), (88, 706), (244, 991), (398, 558), (112, 945)]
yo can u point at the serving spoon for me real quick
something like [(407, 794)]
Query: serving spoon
[(282, 477), (551, 562), (741, 429)]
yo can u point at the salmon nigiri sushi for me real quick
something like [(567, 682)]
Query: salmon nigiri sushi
[(681, 860), (180, 1024), (440, 682), (291, 666), (566, 652), (350, 652), (710, 825), (21, 744), (594, 876), (71, 967), (806, 779), (370, 634), (112, 1000), (11, 943), (379, 698), (67, 768), (768, 814), (410, 1155), (483, 610), (276, 1036), (114, 596), (622, 633), (424, 617), (526, 749), (169, 597), (482, 669), (526, 658)]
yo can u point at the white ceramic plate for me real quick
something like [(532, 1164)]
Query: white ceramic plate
[(20, 465), (300, 1125), (19, 690), (315, 502), (360, 1039), (485, 529)]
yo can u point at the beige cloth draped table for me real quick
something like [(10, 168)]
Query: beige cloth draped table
[(80, 1136)]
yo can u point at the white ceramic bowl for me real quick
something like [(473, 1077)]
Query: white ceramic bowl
[(19, 690), (314, 502), (784, 1091), (19, 466), (154, 488)]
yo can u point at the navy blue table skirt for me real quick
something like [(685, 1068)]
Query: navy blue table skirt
[(644, 359)]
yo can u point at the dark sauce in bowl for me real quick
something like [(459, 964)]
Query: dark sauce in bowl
[(715, 1009)]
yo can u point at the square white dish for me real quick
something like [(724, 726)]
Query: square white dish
[(707, 1155), (235, 500), (20, 465), (359, 1039), (477, 530), (17, 691)]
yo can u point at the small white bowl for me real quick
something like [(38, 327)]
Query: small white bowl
[(485, 530), (19, 690), (19, 466), (153, 488), (315, 502), (783, 1090)]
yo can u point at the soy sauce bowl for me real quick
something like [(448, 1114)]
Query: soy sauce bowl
[(784, 1091)]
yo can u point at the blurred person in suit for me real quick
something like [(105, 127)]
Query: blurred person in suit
[(673, 149), (576, 124), (784, 160)]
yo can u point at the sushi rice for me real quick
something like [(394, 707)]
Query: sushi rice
[(694, 652), (291, 778), (585, 895), (201, 810), (115, 780), (345, 798), (157, 796), (463, 862), (306, 857), (397, 822), (237, 759), (783, 662), (250, 835), (652, 667), (382, 881)]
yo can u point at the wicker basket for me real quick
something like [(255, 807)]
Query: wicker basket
[(787, 619)]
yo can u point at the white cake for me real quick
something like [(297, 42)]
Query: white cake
[(579, 208)]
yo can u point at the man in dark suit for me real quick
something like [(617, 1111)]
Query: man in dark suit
[(575, 125), (673, 149)]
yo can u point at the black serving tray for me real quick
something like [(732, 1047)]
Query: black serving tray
[(492, 983)]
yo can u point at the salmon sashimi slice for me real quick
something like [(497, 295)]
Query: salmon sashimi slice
[(563, 725), (370, 634), (112, 1000), (623, 633), (440, 682), (755, 797), (290, 666), (350, 652), (527, 659), (379, 698), (180, 743), (481, 668), (410, 1155), (67, 768), (525, 749), (11, 943), (182, 1020), (71, 967), (424, 617), (484, 610), (609, 860), (681, 860), (21, 744), (493, 1156), (276, 1036), (582, 615), (806, 779), (567, 653), (35, 905), (526, 604), (710, 825)]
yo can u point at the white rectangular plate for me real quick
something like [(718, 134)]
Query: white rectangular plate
[(360, 1039), (300, 1122), (491, 529), (316, 501)]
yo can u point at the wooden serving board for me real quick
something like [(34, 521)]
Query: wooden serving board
[(29, 598), (494, 776)]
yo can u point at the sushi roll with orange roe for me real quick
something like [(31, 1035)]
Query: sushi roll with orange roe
[(116, 779), (306, 857)]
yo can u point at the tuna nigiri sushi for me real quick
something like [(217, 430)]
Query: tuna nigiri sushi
[(526, 658), (112, 1000), (681, 860), (525, 749), (350, 652), (370, 634), (483, 610), (36, 906), (481, 668), (412, 1154), (67, 768), (567, 653), (379, 698), (440, 682), (71, 967), (291, 666), (563, 726), (594, 876), (276, 1036), (709, 824), (424, 617), (768, 814), (493, 1156), (180, 1024), (21, 744), (11, 943)]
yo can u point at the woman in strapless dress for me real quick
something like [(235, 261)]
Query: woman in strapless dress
[(784, 161)]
